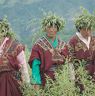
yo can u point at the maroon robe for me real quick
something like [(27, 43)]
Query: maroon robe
[(43, 52), (9, 69), (78, 50)]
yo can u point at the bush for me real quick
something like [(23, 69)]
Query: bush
[(63, 85)]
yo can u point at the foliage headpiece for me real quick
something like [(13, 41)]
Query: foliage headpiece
[(53, 20), (85, 20), (5, 28)]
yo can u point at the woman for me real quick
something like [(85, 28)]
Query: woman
[(12, 62), (82, 44), (48, 52)]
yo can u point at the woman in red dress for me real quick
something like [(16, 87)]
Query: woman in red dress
[(82, 44), (49, 52), (12, 62)]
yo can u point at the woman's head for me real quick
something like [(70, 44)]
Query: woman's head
[(85, 32), (84, 24), (52, 21), (85, 21)]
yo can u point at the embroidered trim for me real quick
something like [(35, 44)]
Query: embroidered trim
[(5, 68), (61, 45), (3, 58), (45, 44), (6, 48)]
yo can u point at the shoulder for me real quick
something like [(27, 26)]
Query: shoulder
[(17, 46), (37, 45), (73, 40), (13, 43), (93, 39)]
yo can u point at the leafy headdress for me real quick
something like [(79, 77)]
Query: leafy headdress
[(53, 20), (5, 28), (85, 20)]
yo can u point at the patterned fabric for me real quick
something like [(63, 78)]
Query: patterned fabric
[(46, 45), (3, 58), (36, 78), (10, 67), (79, 50), (48, 56)]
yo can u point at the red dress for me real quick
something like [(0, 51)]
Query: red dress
[(9, 68), (78, 50), (48, 56)]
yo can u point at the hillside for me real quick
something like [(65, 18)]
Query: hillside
[(22, 12)]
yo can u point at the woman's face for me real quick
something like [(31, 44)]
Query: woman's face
[(85, 32), (51, 31)]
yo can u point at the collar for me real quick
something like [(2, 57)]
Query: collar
[(53, 43), (86, 41)]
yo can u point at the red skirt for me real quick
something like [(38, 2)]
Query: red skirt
[(8, 85)]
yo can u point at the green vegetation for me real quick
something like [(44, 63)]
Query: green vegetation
[(5, 29), (85, 20), (50, 19), (63, 85)]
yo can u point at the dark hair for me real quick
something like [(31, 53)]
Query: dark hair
[(54, 24), (79, 28)]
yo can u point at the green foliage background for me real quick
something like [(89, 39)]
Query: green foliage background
[(25, 15)]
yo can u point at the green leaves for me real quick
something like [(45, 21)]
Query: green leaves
[(63, 85), (85, 20), (5, 29), (52, 19)]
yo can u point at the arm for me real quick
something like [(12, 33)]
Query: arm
[(24, 67), (35, 78), (35, 63), (65, 51)]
